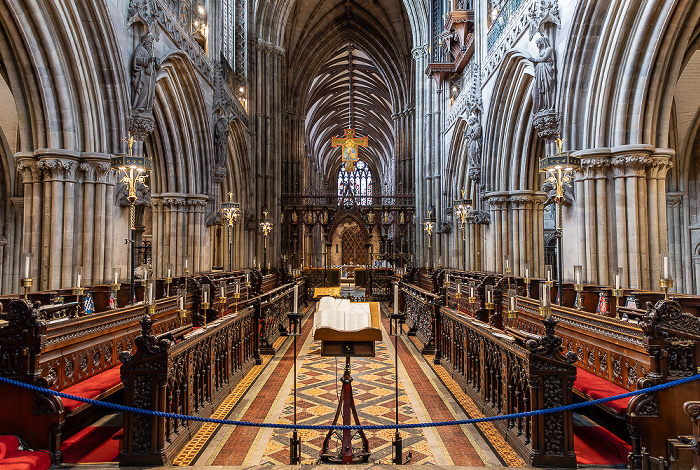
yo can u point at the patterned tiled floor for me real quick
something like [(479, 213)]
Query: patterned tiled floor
[(374, 392), (426, 393)]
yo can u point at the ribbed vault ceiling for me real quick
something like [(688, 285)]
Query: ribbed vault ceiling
[(318, 37), (329, 112)]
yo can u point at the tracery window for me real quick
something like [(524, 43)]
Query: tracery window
[(360, 182), (233, 40)]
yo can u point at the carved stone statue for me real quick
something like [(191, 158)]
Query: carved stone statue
[(221, 142), (370, 217), (544, 88), (143, 67), (473, 136), (295, 217)]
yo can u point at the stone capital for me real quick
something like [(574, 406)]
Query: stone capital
[(31, 173), (57, 168), (630, 165), (674, 199), (141, 125), (595, 167), (659, 166)]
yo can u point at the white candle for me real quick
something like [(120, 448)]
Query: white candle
[(512, 303), (549, 275), (169, 272), (489, 293), (396, 299), (459, 288), (617, 280), (296, 298), (666, 276), (26, 267), (507, 263), (185, 263), (447, 277), (247, 277), (116, 277), (206, 296), (578, 277), (527, 272), (182, 302), (238, 287), (80, 277), (223, 292), (471, 292)]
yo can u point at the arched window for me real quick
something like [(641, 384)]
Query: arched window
[(360, 183)]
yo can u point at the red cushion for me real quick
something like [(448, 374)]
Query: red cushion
[(8, 446), (92, 387), (26, 460), (597, 387)]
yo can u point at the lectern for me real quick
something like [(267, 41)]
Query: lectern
[(346, 330)]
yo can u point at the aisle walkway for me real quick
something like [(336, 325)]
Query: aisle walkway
[(423, 398)]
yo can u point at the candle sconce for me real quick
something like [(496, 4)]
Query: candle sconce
[(237, 293), (181, 297), (618, 291), (527, 279), (512, 306), (545, 303), (489, 304), (26, 282), (168, 280), (79, 290), (204, 306), (578, 286), (222, 297), (471, 299), (666, 281), (150, 295), (116, 274)]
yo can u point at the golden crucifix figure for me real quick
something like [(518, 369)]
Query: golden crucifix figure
[(350, 145)]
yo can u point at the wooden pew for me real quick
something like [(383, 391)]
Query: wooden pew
[(502, 377), (191, 377)]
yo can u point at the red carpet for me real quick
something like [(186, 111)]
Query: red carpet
[(94, 444), (11, 458), (595, 445)]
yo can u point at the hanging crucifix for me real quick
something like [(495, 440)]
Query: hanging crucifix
[(350, 143)]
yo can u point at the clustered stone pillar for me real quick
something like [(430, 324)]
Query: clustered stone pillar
[(618, 219), (179, 233), (67, 218), (516, 229), (674, 204)]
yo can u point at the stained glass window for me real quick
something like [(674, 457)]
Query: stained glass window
[(360, 182)]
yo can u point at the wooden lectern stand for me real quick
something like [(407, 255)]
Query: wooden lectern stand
[(343, 343)]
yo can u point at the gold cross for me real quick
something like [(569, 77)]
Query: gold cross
[(350, 150)]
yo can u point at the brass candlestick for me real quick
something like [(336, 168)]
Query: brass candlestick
[(151, 310), (544, 311), (617, 293), (168, 281), (666, 284), (26, 284), (204, 306), (79, 292), (527, 287), (237, 296), (222, 305), (490, 307), (578, 288)]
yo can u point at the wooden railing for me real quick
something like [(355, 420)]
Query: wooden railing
[(191, 378), (422, 310), (505, 378)]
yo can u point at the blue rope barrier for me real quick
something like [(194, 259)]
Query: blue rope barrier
[(161, 414)]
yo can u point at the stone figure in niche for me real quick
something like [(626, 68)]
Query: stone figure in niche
[(385, 218), (370, 217), (545, 77), (473, 136), (295, 217), (402, 220), (221, 142), (143, 68)]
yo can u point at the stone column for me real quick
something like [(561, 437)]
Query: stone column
[(656, 191), (538, 213), (674, 203), (16, 241), (89, 173), (31, 227), (103, 173)]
